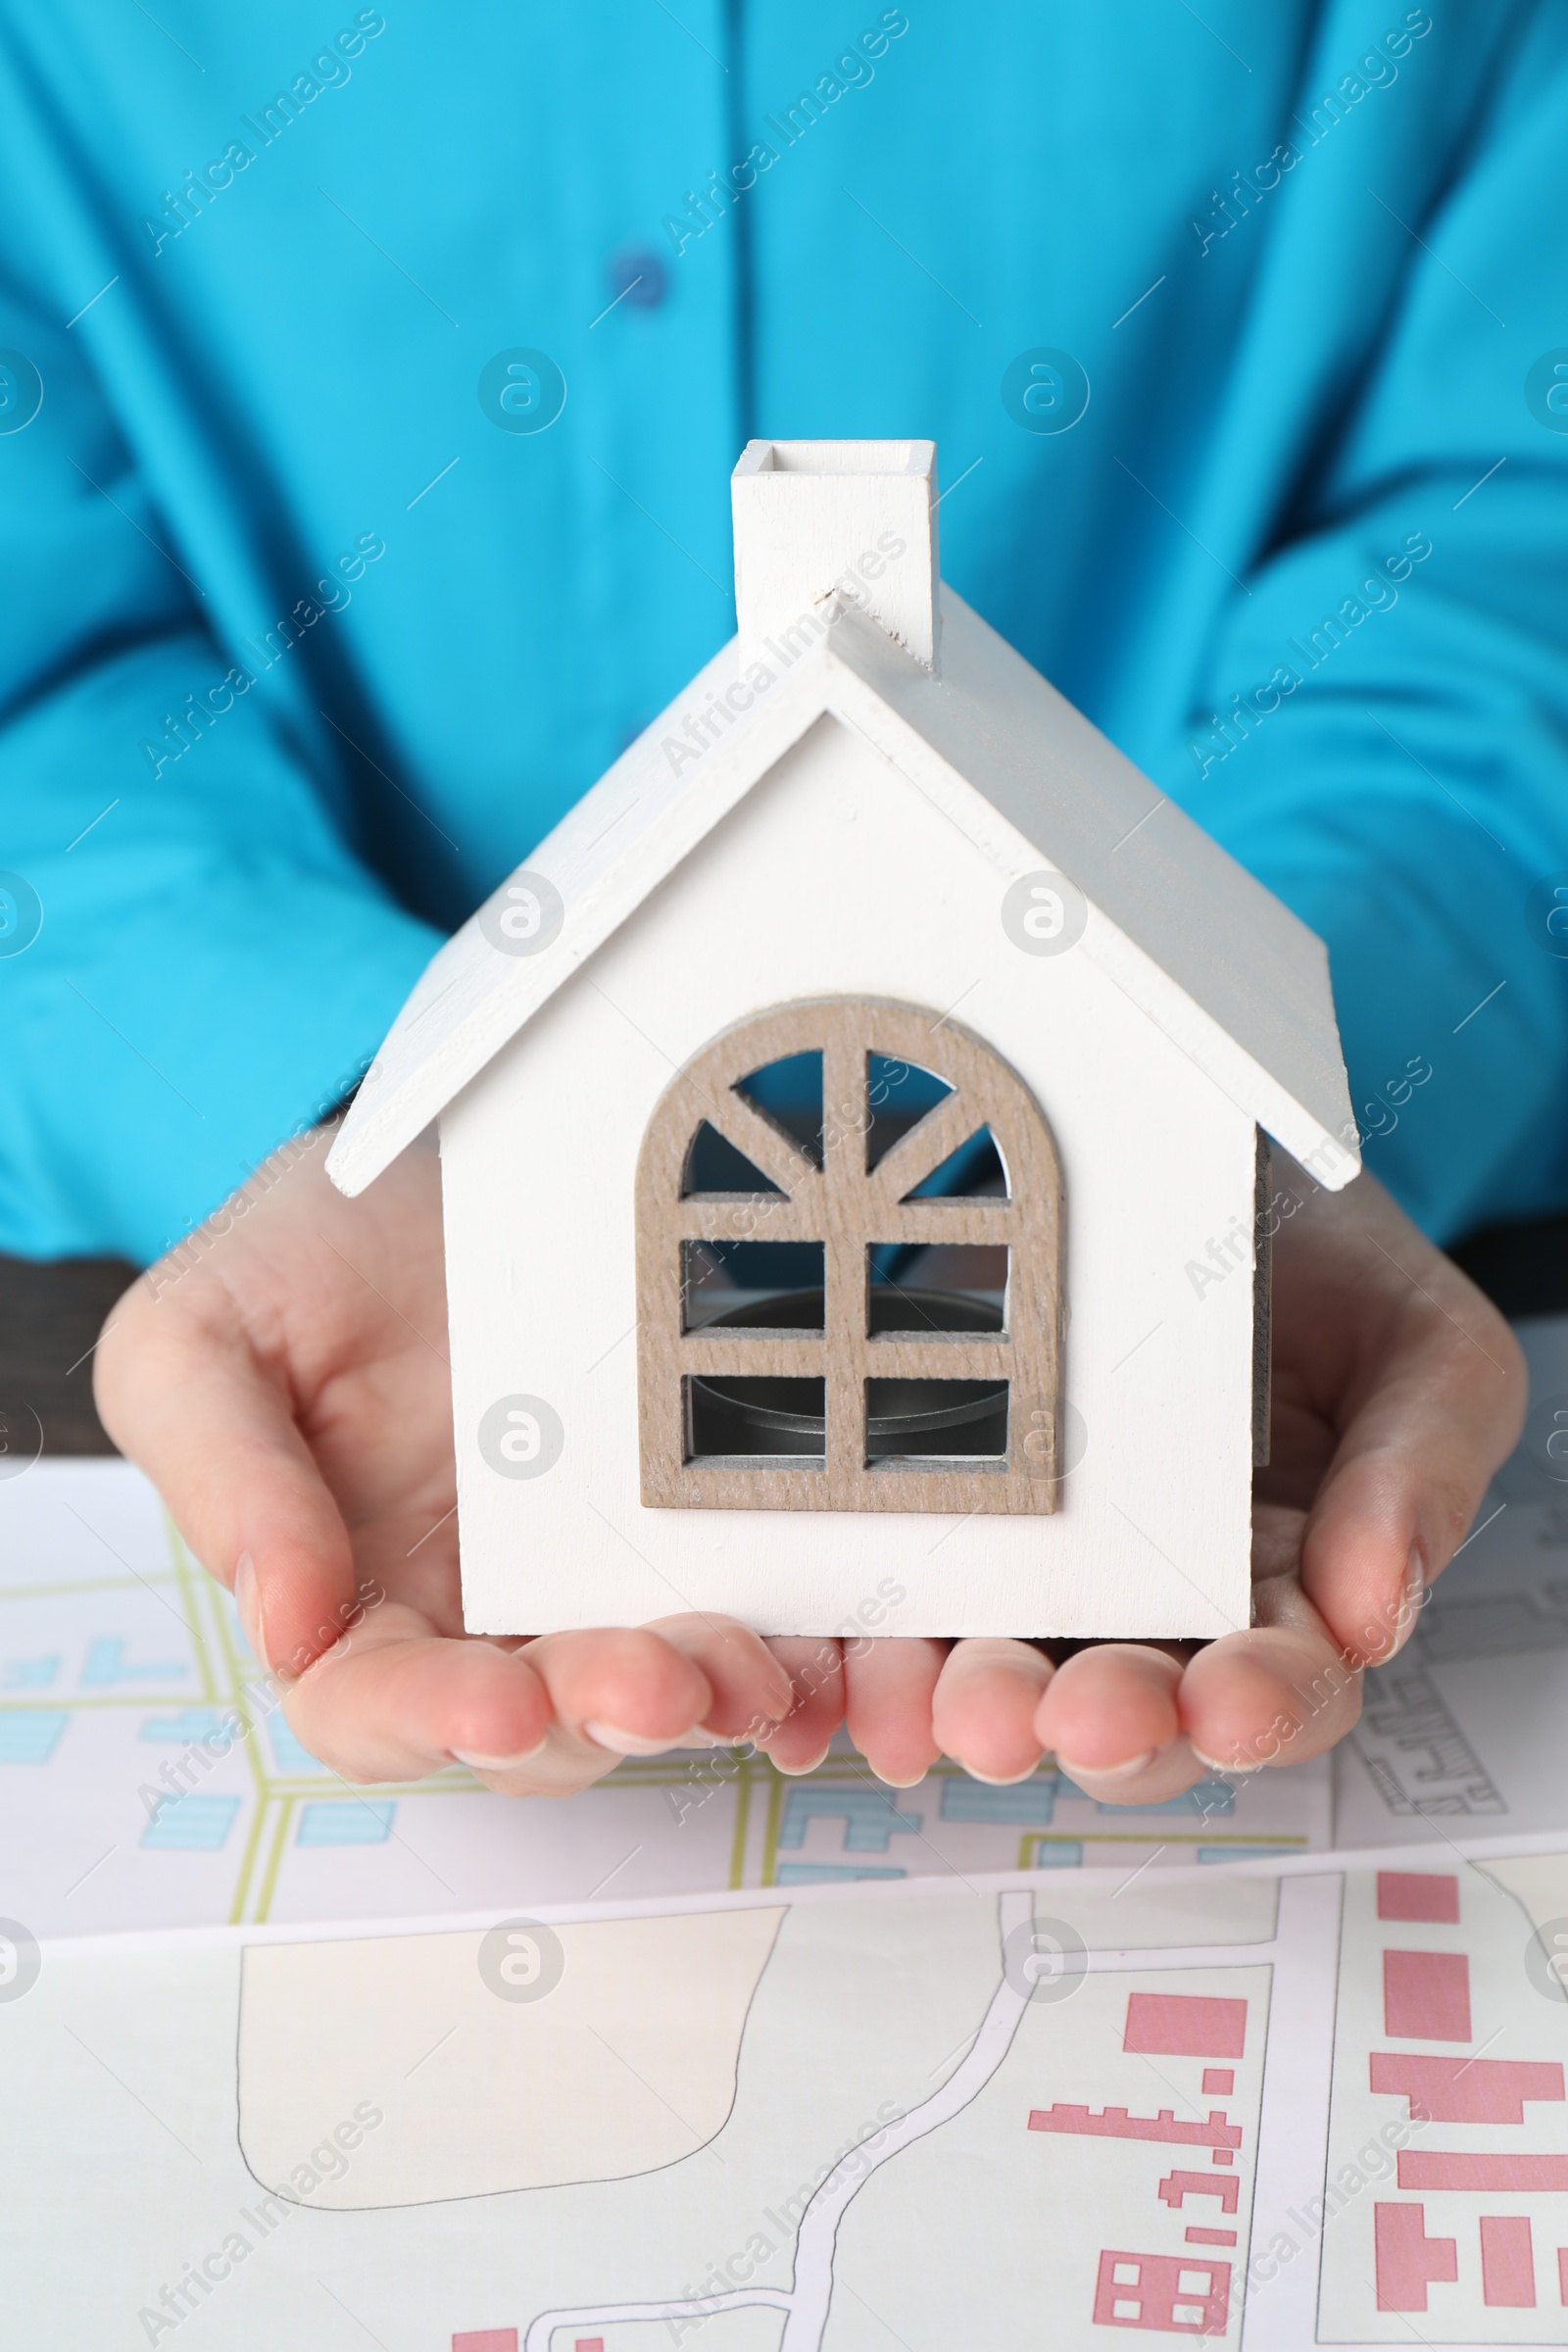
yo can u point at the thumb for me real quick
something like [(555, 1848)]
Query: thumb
[(181, 1391)]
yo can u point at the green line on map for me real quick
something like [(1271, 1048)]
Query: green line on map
[(274, 1862)]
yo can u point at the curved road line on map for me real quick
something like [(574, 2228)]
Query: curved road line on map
[(820, 2222), (807, 2300), (695, 2307)]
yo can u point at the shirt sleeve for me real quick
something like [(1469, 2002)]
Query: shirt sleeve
[(193, 961), (1389, 745)]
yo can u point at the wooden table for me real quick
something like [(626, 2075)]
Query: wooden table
[(50, 1317)]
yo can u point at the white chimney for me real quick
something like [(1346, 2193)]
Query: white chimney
[(857, 517)]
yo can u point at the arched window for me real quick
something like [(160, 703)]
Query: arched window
[(849, 1291)]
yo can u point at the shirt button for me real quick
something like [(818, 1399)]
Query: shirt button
[(637, 276)]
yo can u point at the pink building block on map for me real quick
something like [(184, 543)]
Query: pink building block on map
[(1172, 2292), (1184, 2024), (1456, 2168), (1465, 2090), (487, 2340), (1418, 1894), (1218, 2082), (1562, 2273), (1114, 2123), (1508, 2263), (1408, 2262), (1209, 2238), (1426, 1996), (1176, 2187)]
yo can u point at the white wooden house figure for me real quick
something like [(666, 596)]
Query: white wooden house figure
[(852, 1128)]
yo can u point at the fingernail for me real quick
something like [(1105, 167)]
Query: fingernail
[(1004, 1780), (636, 1744), (796, 1771), (1236, 1769), (1412, 1599), (914, 1781), (248, 1601), (477, 1763), (1105, 1772)]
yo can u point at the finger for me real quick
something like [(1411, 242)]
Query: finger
[(1432, 1403), (1276, 1694), (391, 1701), (750, 1689), (888, 1690), (984, 1704), (815, 1668), (1111, 1717), (684, 1680), (183, 1395), (625, 1690)]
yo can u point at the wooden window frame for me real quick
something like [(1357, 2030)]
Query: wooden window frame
[(847, 1210)]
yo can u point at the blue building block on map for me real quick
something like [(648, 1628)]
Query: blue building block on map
[(29, 1674), (1238, 1853), (106, 1663), (346, 1821), (1026, 1805), (812, 1873), (287, 1753), (30, 1734), (217, 1724), (191, 1825), (870, 1817), (1058, 1853)]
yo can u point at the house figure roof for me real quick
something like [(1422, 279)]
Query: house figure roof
[(840, 615)]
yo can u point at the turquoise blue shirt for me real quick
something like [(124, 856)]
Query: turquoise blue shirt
[(1239, 334)]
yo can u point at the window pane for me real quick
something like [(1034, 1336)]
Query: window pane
[(936, 1287), (936, 1420), (898, 1097), (746, 1419), (790, 1091), (714, 1165), (974, 1172), (757, 1286)]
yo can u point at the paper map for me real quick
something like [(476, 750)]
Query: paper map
[(1274, 2104), (697, 2058)]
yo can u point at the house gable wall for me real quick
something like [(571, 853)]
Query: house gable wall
[(836, 877)]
